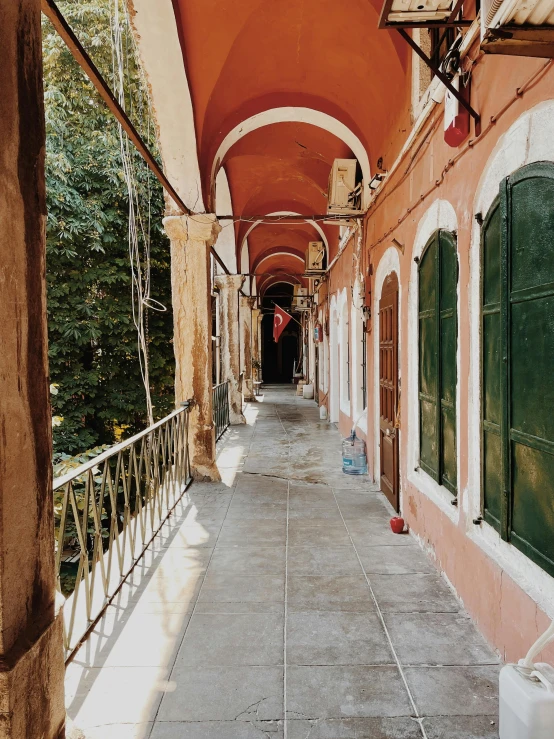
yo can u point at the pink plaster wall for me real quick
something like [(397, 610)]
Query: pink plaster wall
[(507, 616)]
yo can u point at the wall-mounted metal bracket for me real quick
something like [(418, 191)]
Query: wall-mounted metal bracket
[(442, 77)]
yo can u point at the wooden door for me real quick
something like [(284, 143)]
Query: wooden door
[(388, 389)]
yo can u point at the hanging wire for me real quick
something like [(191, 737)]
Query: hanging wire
[(139, 229)]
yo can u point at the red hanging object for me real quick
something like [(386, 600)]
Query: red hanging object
[(280, 321), (456, 118)]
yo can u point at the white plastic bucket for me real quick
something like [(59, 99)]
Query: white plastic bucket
[(308, 391)]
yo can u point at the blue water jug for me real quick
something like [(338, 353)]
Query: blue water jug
[(354, 458)]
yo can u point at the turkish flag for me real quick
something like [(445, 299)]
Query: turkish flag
[(280, 321)]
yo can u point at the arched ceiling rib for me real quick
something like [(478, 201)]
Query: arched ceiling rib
[(290, 115)]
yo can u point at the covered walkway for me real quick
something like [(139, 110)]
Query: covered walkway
[(282, 594)]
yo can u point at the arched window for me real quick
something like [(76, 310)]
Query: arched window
[(438, 276), (517, 325)]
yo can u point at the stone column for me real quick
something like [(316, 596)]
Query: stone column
[(228, 286), (191, 238), (246, 305), (31, 650), (257, 340)]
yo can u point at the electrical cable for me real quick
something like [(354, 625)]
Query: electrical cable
[(139, 227)]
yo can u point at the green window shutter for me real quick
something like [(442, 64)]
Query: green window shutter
[(438, 273), (429, 359), (529, 197), (517, 311), (491, 403), (448, 340)]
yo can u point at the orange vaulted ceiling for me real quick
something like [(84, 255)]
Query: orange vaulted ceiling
[(283, 167), (246, 57)]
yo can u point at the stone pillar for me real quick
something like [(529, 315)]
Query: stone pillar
[(257, 340), (246, 305), (228, 286), (31, 628), (191, 239)]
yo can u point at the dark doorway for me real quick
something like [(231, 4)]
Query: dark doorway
[(279, 359)]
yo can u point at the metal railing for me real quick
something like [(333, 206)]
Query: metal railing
[(221, 408), (107, 512)]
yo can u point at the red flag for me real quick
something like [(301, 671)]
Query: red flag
[(280, 321)]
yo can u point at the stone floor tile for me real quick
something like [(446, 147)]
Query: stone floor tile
[(310, 501), (119, 731), (191, 559), (269, 511), (260, 498), (250, 532), (256, 483), (118, 640), (375, 531), (316, 516), (437, 639), (407, 593), (106, 696), (240, 608), (368, 506), (166, 588), (391, 560), (229, 588), (322, 561), (303, 534), (219, 730), (367, 487), (223, 694), (347, 593), (354, 728), (248, 560), (195, 536), (462, 727), (346, 691), (336, 638), (454, 691), (204, 516), (232, 639), (215, 499)]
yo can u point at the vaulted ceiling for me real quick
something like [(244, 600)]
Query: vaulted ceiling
[(279, 90)]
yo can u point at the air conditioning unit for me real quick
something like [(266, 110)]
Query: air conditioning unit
[(518, 27), (345, 194), (300, 299), (315, 258), (408, 13), (314, 285)]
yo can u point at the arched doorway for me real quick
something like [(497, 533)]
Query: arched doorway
[(279, 359)]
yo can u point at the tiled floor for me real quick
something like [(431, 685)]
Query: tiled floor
[(280, 604)]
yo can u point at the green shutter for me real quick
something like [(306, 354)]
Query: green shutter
[(491, 405), (448, 342), (429, 359), (438, 274), (530, 212), (518, 363)]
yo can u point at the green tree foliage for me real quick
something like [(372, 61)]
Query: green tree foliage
[(93, 341)]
